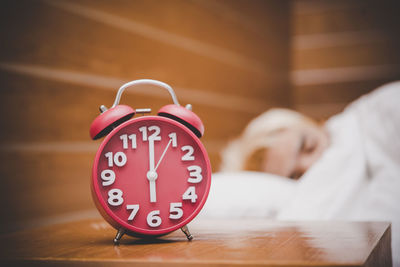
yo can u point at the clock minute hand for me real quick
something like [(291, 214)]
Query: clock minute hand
[(163, 154), (152, 174)]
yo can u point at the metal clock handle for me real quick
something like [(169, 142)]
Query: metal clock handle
[(145, 82)]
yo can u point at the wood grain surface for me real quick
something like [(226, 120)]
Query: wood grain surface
[(216, 243)]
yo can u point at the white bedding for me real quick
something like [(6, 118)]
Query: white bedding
[(357, 178)]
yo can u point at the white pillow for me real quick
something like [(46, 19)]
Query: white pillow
[(247, 194)]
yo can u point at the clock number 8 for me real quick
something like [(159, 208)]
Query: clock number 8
[(115, 197)]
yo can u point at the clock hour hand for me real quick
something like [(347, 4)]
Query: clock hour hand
[(163, 154)]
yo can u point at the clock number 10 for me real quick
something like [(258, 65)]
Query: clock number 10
[(119, 159)]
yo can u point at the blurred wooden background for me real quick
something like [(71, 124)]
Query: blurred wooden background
[(231, 59), (340, 50), (60, 60)]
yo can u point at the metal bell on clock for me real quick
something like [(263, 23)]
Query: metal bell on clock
[(185, 116), (109, 119)]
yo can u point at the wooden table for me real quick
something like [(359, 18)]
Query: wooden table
[(216, 243)]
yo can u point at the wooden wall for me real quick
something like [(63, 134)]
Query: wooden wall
[(340, 50), (60, 60)]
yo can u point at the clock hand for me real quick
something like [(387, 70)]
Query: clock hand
[(151, 174), (151, 154), (163, 154)]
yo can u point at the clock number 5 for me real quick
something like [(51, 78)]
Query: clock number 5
[(175, 210)]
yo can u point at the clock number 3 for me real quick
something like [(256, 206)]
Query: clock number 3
[(195, 174)]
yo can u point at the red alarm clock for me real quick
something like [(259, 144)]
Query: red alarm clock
[(151, 174)]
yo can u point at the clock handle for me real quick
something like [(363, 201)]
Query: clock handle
[(145, 82)]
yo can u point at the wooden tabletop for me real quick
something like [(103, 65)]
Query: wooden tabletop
[(216, 243)]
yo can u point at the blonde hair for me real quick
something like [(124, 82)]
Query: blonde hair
[(259, 134)]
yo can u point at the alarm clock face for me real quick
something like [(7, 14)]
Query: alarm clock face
[(151, 176)]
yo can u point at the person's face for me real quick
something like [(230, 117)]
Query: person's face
[(295, 150)]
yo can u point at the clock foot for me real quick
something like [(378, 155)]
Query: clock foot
[(118, 236), (185, 230)]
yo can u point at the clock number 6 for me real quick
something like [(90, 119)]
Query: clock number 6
[(153, 220), (119, 159)]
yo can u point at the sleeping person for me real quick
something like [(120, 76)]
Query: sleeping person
[(347, 168)]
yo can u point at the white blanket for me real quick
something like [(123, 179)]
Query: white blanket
[(357, 178)]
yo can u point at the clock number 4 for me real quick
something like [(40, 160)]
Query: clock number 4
[(125, 141), (118, 159), (190, 194)]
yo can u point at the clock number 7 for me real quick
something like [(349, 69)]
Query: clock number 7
[(134, 208)]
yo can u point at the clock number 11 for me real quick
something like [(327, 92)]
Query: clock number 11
[(125, 138)]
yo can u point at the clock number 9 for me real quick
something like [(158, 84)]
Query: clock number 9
[(108, 177), (119, 159), (115, 197)]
